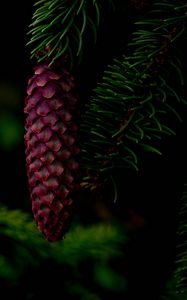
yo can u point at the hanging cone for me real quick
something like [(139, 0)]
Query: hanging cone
[(52, 148)]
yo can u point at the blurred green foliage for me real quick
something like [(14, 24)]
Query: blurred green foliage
[(11, 131), (170, 291), (84, 263), (11, 127), (10, 95)]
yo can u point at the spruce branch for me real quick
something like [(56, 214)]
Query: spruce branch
[(18, 230), (176, 286), (180, 273), (128, 109), (59, 27)]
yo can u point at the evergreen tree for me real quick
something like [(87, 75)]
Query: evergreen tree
[(106, 104)]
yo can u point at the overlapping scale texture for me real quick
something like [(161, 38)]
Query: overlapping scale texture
[(52, 148)]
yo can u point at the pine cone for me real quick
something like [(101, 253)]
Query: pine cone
[(52, 150)]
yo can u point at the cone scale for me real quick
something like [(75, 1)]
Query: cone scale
[(52, 148)]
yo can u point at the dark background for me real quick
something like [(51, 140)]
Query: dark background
[(15, 70), (151, 194)]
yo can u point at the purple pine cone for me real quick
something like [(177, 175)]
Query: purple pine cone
[(52, 148)]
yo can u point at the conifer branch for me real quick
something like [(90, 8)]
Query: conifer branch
[(59, 27), (19, 229), (180, 273), (130, 104)]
